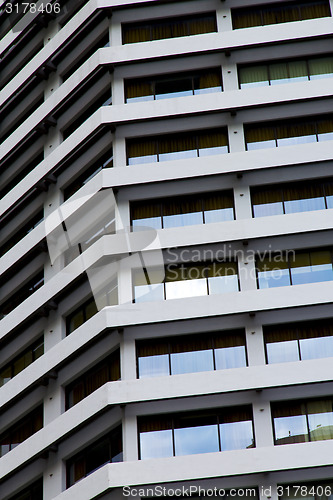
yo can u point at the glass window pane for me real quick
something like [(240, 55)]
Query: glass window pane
[(141, 151), (5, 375), (290, 424), (253, 76), (156, 444), (311, 268), (213, 143), (208, 82), (282, 352), (176, 87), (273, 273), (236, 436), (298, 71), (97, 456), (278, 73), (191, 362), (76, 321), (303, 198), (149, 293), (321, 347), (288, 135), (320, 418), (153, 366), (246, 18), (315, 10), (218, 208), (182, 213), (260, 138), (223, 284), (230, 357), (267, 202), (187, 288), (321, 68), (138, 90), (325, 130), (193, 440)]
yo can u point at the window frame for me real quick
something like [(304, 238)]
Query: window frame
[(172, 20), (199, 197), (289, 267), (209, 413), (27, 350), (154, 79), (108, 360), (300, 402), (191, 337), (183, 265)]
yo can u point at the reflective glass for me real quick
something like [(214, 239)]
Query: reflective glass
[(291, 141), (156, 444), (208, 90), (321, 68), (320, 347), (236, 435), (135, 160), (149, 293), (230, 357), (177, 220), (223, 284), (213, 151), (320, 418), (254, 76), (274, 278), (292, 429), (261, 145), (193, 440), (219, 215), (191, 362), (306, 205), (267, 209), (282, 352), (187, 288), (178, 155), (142, 224), (153, 366)]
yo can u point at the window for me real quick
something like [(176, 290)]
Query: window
[(21, 233), (302, 421), (285, 72), (20, 362), (176, 85), (23, 293), (33, 492), (81, 315), (285, 343), (275, 13), (177, 147), (297, 268), (106, 371), (292, 198), (186, 281), (191, 353), (288, 133), (21, 431), (310, 491), (105, 162), (169, 28), (106, 450), (183, 211), (192, 433)]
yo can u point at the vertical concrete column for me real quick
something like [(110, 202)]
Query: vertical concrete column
[(119, 151), (255, 344), (246, 270), (236, 135), (54, 477), (268, 489), (223, 17), (242, 200), (262, 420), (118, 96), (124, 273), (127, 358), (229, 74), (115, 31), (130, 436)]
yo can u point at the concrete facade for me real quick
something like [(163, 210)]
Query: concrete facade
[(26, 191)]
